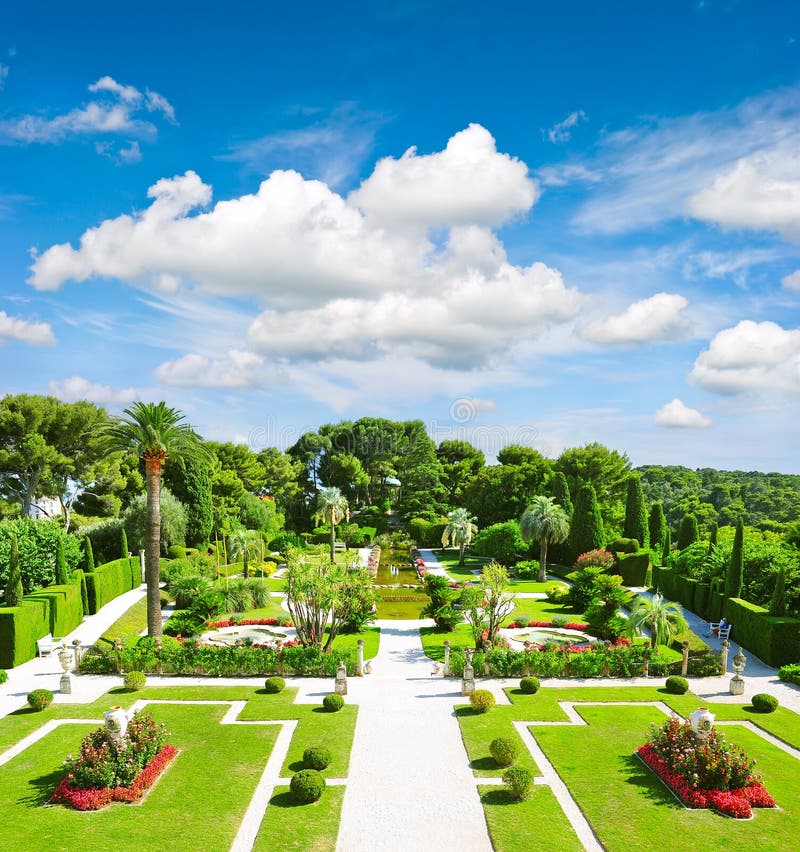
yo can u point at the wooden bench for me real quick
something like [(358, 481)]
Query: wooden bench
[(46, 645)]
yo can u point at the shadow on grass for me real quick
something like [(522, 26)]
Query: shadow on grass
[(297, 765), (287, 800), (41, 789), (487, 764), (639, 775), (499, 796), (466, 711)]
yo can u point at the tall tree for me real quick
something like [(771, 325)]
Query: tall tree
[(559, 488), (606, 470), (247, 544), (459, 531), (586, 531), (657, 526), (666, 548), (777, 603), (664, 619), (191, 484), (155, 432), (460, 463), (546, 522), (636, 512), (13, 592), (734, 574), (332, 508), (62, 577), (689, 532)]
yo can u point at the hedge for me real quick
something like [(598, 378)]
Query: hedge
[(685, 588), (716, 603), (108, 581), (20, 627), (667, 583), (632, 567), (774, 639), (702, 592), (64, 604)]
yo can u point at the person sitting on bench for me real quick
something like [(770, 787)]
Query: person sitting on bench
[(721, 626)]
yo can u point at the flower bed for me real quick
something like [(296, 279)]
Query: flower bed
[(252, 622), (570, 625), (709, 774)]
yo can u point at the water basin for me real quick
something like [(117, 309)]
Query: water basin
[(249, 633), (544, 635)]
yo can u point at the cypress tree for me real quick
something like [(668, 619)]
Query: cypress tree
[(191, 484), (636, 513), (560, 490), (689, 533), (657, 526), (667, 547), (123, 544), (733, 576), (88, 555), (62, 577), (14, 591), (586, 530), (777, 604), (712, 539)]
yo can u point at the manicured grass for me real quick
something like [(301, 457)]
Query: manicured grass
[(272, 609), (349, 642), (477, 732), (433, 640), (537, 823), (538, 609), (130, 623), (312, 828), (401, 610)]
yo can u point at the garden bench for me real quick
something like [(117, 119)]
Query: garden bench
[(46, 645), (721, 632)]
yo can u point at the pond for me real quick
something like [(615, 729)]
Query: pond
[(247, 633), (543, 636)]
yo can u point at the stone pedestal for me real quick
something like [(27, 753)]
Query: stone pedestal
[(446, 658), (737, 685), (737, 681), (360, 663), (65, 684), (723, 656), (468, 678), (685, 659), (340, 685)]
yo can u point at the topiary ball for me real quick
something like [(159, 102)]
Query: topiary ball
[(40, 698), (134, 681), (317, 757), (307, 786), (529, 685), (519, 782), (274, 685), (504, 751), (764, 703), (3, 675), (677, 685), (333, 702), (482, 700)]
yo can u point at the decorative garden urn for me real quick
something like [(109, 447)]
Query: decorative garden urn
[(702, 721), (116, 724)]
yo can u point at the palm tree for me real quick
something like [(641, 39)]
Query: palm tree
[(459, 531), (332, 508), (664, 619), (546, 522), (154, 431), (247, 544)]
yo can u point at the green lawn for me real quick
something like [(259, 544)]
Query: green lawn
[(312, 828), (349, 642)]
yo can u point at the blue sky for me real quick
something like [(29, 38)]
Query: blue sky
[(519, 222)]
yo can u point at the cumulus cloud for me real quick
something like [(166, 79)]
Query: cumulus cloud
[(237, 369), (792, 282), (33, 333), (76, 388), (562, 131), (750, 357), (677, 415), (661, 317)]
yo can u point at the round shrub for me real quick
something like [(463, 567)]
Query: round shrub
[(40, 698), (482, 700), (519, 782), (504, 751), (764, 703), (307, 786), (529, 685), (333, 702), (274, 685), (317, 757), (135, 681), (677, 685), (3, 675), (561, 620)]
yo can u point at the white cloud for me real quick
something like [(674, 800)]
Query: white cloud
[(4, 69), (792, 282), (562, 131), (130, 94), (34, 333), (76, 388), (237, 369), (677, 415), (751, 357), (131, 154), (154, 102), (660, 317)]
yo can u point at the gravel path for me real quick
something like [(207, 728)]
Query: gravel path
[(410, 786)]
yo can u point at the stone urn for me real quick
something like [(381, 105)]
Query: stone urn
[(116, 724), (702, 721)]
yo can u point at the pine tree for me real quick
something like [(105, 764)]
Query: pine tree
[(667, 547), (586, 531), (657, 526), (733, 576), (777, 604), (560, 490), (14, 591), (123, 544), (636, 513), (88, 555), (689, 533), (62, 578)]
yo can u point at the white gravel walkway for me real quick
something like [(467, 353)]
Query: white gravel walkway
[(410, 786)]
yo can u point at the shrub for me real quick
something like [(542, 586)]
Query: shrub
[(176, 551), (333, 702), (3, 675), (501, 542), (519, 782), (40, 698), (561, 620), (529, 685), (307, 786), (504, 751), (677, 685), (600, 558), (764, 703), (317, 757), (624, 545), (527, 570), (482, 700), (274, 685), (135, 681)]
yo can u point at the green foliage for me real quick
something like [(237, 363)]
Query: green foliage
[(173, 521), (559, 488), (528, 569), (546, 522), (777, 604), (64, 604), (3, 676), (664, 619), (586, 531), (519, 782), (657, 526), (39, 699), (134, 681), (284, 542), (191, 484), (624, 545), (790, 673), (773, 639), (482, 700), (440, 606), (689, 532), (274, 685), (764, 703), (13, 591), (460, 462), (636, 513), (62, 577), (459, 531), (632, 567), (529, 685), (595, 558), (37, 544), (105, 539), (676, 685), (607, 471), (734, 575), (486, 607), (317, 757), (124, 553), (333, 702), (107, 582), (307, 786), (176, 551), (504, 751), (88, 556), (666, 549), (501, 542), (20, 627)]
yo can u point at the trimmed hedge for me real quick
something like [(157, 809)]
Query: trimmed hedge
[(20, 627), (624, 545), (107, 582), (716, 603), (685, 588), (632, 567), (667, 583), (702, 591), (774, 639), (65, 609)]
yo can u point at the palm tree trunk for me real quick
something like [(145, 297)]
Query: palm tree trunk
[(543, 560), (153, 546), (461, 549), (333, 543)]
